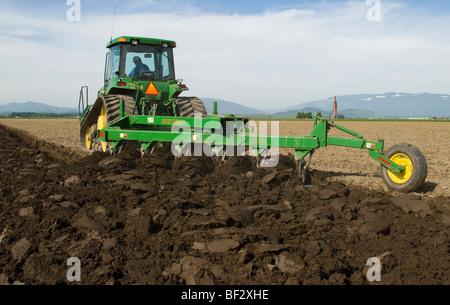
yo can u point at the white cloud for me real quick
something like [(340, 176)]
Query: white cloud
[(274, 59)]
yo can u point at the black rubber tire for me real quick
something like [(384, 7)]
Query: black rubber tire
[(419, 168), (188, 106)]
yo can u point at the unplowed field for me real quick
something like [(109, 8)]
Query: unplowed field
[(190, 220)]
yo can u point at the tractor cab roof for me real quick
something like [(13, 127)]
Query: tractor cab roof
[(141, 40)]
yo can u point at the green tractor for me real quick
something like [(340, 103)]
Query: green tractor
[(140, 77)]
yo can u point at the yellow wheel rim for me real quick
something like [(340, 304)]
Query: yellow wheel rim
[(102, 123), (88, 138), (405, 175)]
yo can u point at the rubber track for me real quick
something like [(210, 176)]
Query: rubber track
[(188, 106), (112, 105)]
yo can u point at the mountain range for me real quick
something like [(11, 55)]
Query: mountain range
[(386, 105), (389, 105), (226, 107), (367, 106), (34, 107)]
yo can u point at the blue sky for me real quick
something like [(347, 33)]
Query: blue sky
[(211, 6), (264, 54)]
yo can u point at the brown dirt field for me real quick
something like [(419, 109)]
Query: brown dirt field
[(346, 165), (162, 220), (64, 132)]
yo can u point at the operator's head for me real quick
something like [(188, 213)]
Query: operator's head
[(137, 60)]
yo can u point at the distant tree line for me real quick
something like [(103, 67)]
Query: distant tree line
[(28, 115), (309, 115)]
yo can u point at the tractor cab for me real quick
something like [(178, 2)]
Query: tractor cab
[(127, 55), (133, 60)]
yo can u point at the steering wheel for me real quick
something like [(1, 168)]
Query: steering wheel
[(147, 74)]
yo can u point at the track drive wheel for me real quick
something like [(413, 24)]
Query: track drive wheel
[(88, 138), (415, 168), (102, 122)]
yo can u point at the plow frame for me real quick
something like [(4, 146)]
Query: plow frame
[(220, 132)]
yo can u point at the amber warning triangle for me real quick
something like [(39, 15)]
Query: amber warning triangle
[(151, 89)]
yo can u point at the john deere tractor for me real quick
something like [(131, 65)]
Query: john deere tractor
[(139, 79)]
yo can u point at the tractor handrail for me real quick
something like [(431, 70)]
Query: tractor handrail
[(81, 100)]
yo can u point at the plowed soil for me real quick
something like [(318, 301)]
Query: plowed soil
[(192, 220)]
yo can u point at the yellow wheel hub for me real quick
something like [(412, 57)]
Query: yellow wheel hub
[(88, 138), (405, 175), (102, 122)]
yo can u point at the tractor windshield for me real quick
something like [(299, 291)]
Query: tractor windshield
[(146, 62)]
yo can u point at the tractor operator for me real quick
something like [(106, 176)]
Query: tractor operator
[(139, 67)]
